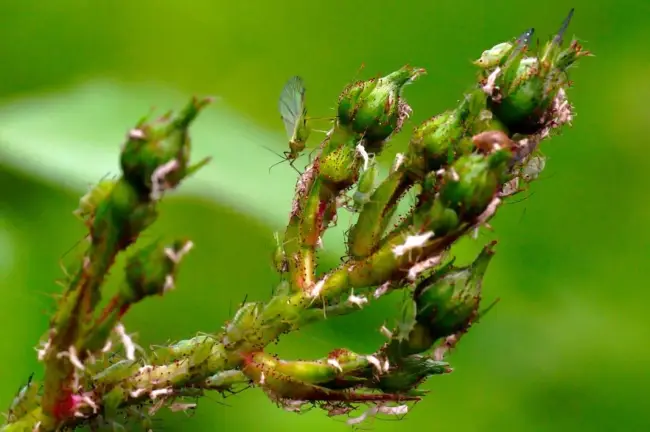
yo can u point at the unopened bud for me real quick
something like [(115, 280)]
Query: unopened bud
[(151, 270), (375, 108), (440, 140), (411, 372), (156, 155), (448, 300), (524, 90), (472, 181), (337, 167)]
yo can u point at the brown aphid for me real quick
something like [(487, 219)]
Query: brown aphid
[(493, 140)]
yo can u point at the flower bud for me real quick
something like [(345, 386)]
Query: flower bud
[(411, 372), (375, 108), (522, 91), (439, 140), (151, 270), (448, 300), (472, 181), (338, 167), (156, 155)]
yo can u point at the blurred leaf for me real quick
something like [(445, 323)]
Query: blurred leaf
[(73, 139)]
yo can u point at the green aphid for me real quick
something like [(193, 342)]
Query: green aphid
[(294, 115), (498, 54), (90, 201), (494, 56), (26, 400), (365, 187), (279, 257)]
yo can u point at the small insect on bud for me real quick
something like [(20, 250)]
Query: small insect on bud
[(365, 186), (293, 112), (525, 87), (495, 56), (533, 168), (375, 108), (96, 195), (25, 400), (490, 141), (279, 257)]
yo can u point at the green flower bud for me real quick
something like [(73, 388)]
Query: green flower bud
[(524, 90), (411, 372), (436, 139), (375, 108), (151, 270), (442, 220), (439, 140), (156, 155), (448, 300), (523, 98), (338, 168), (472, 182)]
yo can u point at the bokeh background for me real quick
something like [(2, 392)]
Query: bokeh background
[(567, 348)]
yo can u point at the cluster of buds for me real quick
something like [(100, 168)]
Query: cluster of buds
[(461, 165), (154, 158)]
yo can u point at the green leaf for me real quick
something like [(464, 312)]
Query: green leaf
[(74, 138)]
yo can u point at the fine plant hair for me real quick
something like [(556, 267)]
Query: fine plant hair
[(460, 166)]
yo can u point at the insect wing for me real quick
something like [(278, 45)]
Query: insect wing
[(292, 106)]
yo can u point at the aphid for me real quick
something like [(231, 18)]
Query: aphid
[(294, 115), (365, 187), (492, 140), (279, 257), (533, 168), (492, 58), (25, 400), (497, 55)]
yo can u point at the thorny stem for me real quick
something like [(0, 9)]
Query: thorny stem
[(462, 163)]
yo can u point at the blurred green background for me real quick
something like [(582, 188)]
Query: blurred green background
[(567, 347)]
